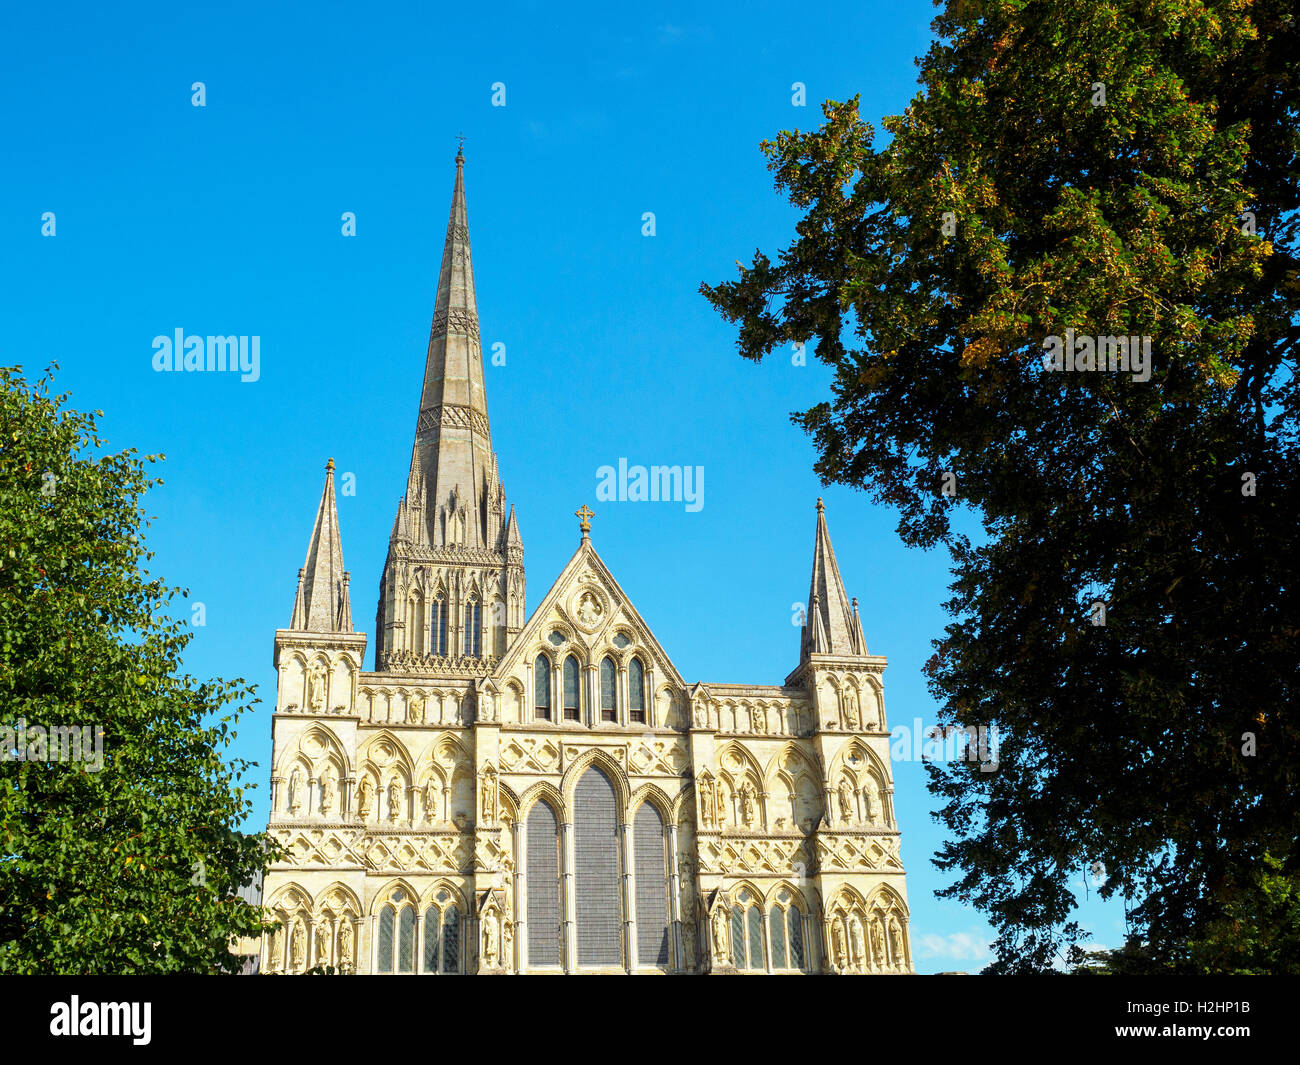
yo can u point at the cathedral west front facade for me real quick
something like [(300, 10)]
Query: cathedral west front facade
[(508, 792)]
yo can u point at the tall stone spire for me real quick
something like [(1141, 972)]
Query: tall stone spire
[(322, 603), (452, 592), (831, 627), (452, 466)]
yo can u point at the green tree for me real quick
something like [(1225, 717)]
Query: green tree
[(1256, 934), (1118, 169), (132, 867)]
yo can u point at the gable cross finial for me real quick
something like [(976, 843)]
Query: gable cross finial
[(584, 514)]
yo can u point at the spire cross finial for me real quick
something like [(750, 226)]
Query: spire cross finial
[(329, 465), (820, 504), (584, 515), (460, 147)]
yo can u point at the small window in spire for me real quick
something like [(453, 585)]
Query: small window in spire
[(438, 626), (473, 633)]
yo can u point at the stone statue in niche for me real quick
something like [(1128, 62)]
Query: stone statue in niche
[(430, 801), (857, 941), (327, 792), (322, 942), (719, 935), (877, 803), (841, 952), (589, 609), (867, 804), (490, 941), (489, 799), (689, 932), (706, 803), (748, 805), (507, 942), (364, 799), (295, 790), (845, 793), (415, 710), (345, 943), (896, 942), (394, 800), (724, 800), (276, 954), (851, 711), (878, 943), (316, 688), (297, 949)]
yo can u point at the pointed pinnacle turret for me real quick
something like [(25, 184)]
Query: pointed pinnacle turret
[(832, 626), (513, 539), (322, 603)]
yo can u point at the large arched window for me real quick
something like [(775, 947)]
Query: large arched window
[(442, 935), (597, 903), (438, 625), (542, 870), (572, 703), (636, 691), (473, 631), (396, 947), (542, 688), (608, 690), (650, 864)]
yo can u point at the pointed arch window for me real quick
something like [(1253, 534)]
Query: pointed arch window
[(598, 909), (542, 689), (755, 920), (794, 935), (396, 947), (387, 918), (608, 690), (649, 854), (542, 869), (451, 940), (776, 936), (785, 932), (473, 631), (747, 934), (572, 703), (415, 623), (636, 691), (442, 935), (438, 625), (406, 940)]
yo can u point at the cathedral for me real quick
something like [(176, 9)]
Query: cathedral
[(510, 792)]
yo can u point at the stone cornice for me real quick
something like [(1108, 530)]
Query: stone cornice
[(873, 664), (452, 555)]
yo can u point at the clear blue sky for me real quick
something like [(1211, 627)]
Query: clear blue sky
[(225, 219)]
